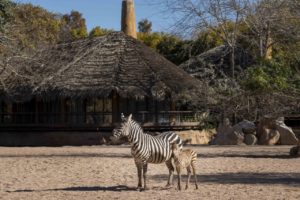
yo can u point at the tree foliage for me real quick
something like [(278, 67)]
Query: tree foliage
[(73, 26), (270, 75), (98, 31), (5, 13), (145, 26), (34, 26)]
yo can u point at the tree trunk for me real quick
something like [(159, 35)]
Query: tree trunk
[(232, 61), (261, 48)]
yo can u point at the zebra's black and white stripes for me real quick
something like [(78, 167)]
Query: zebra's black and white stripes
[(146, 148)]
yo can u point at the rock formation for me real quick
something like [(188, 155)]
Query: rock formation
[(228, 135), (272, 130)]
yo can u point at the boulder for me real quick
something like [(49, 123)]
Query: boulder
[(268, 137), (295, 151), (245, 127), (226, 135), (235, 138), (266, 122), (250, 131), (250, 139), (196, 137), (287, 136)]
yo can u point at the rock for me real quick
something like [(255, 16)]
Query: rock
[(196, 137), (235, 138), (226, 135), (268, 122), (265, 123), (245, 127), (287, 136), (295, 151), (250, 131), (250, 139), (269, 137)]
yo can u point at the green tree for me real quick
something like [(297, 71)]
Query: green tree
[(6, 17), (73, 26), (145, 26), (270, 76), (33, 26), (151, 40), (98, 31), (5, 13)]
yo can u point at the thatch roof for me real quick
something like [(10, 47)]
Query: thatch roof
[(97, 67)]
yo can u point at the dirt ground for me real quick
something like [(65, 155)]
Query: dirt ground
[(108, 172)]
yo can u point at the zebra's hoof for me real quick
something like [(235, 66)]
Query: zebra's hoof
[(139, 189), (169, 185)]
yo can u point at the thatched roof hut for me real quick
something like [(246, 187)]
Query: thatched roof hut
[(97, 67)]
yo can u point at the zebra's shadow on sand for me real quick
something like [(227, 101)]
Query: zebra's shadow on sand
[(78, 155), (291, 179), (117, 188)]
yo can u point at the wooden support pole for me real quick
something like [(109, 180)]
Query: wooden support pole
[(115, 107)]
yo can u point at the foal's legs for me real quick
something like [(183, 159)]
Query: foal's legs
[(195, 175), (189, 176), (178, 169)]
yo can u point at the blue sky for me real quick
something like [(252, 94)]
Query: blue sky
[(105, 13)]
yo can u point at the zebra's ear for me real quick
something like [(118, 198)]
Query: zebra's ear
[(122, 117), (129, 117)]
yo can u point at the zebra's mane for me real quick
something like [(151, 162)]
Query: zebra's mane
[(138, 124)]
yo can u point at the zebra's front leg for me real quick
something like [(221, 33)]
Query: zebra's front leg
[(171, 172), (139, 167), (145, 167)]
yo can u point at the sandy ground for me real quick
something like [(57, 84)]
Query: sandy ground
[(101, 172)]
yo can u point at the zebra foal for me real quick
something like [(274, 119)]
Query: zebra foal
[(184, 159), (146, 148)]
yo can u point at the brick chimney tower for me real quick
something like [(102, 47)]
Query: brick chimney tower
[(128, 22)]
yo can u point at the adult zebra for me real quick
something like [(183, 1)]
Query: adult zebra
[(146, 148)]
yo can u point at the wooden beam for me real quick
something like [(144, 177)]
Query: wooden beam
[(115, 107)]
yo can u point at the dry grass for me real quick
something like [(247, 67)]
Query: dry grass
[(109, 173)]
